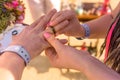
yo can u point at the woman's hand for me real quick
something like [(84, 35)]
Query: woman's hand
[(61, 55), (66, 22), (31, 38)]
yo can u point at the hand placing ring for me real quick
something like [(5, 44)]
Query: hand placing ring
[(53, 29)]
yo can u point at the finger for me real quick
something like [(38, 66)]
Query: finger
[(66, 15), (57, 20), (58, 27), (48, 29), (54, 42), (63, 31), (61, 26), (63, 41), (50, 53), (43, 23), (56, 15), (36, 22)]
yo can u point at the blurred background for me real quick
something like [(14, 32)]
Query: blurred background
[(86, 10)]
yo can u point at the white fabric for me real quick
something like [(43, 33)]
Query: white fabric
[(18, 49), (6, 37)]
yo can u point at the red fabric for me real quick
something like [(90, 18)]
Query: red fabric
[(108, 40)]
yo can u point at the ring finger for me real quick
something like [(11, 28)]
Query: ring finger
[(61, 26)]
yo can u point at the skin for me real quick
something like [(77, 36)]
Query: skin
[(33, 35), (31, 38), (63, 56), (98, 26)]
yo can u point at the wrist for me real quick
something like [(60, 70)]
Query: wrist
[(85, 31), (12, 65), (32, 51), (25, 46), (12, 59), (82, 31), (19, 50)]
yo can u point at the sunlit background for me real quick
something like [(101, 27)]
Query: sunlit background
[(40, 68)]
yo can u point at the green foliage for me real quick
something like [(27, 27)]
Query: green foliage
[(4, 15), (8, 13)]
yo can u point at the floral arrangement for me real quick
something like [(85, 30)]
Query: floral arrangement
[(11, 12)]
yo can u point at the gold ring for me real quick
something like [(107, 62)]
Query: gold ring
[(53, 29)]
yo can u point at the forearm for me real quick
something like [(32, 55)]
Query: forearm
[(95, 69), (100, 26), (11, 66)]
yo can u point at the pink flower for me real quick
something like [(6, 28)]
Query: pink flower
[(8, 6), (20, 19), (15, 3), (20, 8)]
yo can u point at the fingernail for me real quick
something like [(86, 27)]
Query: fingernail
[(49, 24), (47, 35)]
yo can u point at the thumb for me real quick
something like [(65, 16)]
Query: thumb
[(53, 41)]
